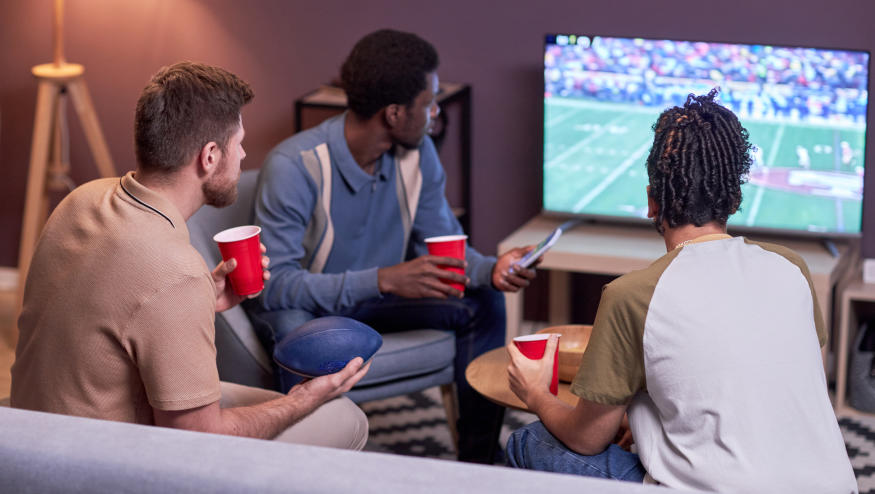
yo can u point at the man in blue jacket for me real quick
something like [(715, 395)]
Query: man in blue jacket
[(345, 209)]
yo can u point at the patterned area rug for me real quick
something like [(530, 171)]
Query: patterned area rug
[(415, 425), (859, 434)]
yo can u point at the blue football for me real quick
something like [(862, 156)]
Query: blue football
[(325, 345)]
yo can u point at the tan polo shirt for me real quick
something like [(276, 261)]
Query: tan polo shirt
[(118, 310)]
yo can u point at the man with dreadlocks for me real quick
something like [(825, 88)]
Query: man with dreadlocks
[(713, 350)]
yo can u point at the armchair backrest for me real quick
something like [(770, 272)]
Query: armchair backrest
[(241, 356)]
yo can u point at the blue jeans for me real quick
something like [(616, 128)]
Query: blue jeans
[(478, 321), (534, 448)]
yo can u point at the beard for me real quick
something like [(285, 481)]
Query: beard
[(411, 135), (409, 145), (220, 191), (410, 142)]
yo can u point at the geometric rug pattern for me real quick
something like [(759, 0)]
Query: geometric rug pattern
[(416, 425), (859, 435)]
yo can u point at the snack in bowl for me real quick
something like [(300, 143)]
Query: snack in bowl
[(572, 343)]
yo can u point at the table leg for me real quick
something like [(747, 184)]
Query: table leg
[(559, 298), (513, 303), (841, 353)]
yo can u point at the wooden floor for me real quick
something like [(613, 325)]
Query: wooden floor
[(8, 315)]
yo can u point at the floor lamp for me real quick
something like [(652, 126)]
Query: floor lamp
[(49, 163)]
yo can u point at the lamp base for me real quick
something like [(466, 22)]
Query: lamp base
[(60, 72)]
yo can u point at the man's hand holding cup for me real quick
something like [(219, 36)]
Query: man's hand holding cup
[(243, 271)]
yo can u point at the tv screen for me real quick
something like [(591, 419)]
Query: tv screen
[(805, 109)]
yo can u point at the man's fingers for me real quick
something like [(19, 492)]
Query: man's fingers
[(552, 343), (437, 290), (357, 374), (352, 366), (339, 379), (230, 265), (514, 352), (520, 252), (440, 271), (444, 274), (225, 267), (624, 438), (516, 280), (437, 287), (511, 282), (447, 261), (527, 273), (361, 372)]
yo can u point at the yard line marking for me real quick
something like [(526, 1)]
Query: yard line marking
[(755, 207), (598, 189), (761, 190), (575, 148), (776, 142), (840, 215), (561, 118)]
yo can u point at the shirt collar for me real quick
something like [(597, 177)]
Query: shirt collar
[(151, 201), (352, 174)]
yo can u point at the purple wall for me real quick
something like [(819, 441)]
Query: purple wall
[(285, 48)]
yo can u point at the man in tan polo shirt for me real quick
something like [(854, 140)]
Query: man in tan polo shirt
[(118, 312)]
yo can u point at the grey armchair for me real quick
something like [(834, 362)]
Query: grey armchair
[(408, 361)]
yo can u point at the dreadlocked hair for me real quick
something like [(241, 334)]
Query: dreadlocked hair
[(699, 159)]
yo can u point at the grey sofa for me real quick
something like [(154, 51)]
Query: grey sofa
[(47, 453)]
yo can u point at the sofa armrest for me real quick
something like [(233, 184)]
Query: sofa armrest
[(47, 453)]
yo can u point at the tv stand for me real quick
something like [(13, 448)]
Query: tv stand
[(610, 249), (830, 247)]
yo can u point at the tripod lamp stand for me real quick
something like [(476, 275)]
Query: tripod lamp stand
[(49, 154)]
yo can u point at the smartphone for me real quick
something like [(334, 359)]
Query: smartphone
[(544, 245)]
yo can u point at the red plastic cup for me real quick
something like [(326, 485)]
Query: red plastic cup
[(242, 243), (449, 246), (533, 347)]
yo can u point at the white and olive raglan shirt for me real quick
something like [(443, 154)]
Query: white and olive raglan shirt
[(716, 348)]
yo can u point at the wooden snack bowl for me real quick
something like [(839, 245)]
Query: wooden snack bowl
[(572, 343)]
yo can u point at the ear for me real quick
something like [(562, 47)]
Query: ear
[(652, 207), (208, 158), (393, 114)]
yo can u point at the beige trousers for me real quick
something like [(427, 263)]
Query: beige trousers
[(339, 423)]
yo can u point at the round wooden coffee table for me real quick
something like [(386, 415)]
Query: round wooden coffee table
[(488, 375)]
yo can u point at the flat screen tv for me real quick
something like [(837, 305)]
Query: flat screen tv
[(805, 109)]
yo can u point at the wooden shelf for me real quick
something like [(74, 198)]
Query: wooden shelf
[(856, 301)]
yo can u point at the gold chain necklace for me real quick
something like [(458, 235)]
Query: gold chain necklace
[(685, 242), (703, 238)]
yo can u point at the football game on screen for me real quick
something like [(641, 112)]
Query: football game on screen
[(805, 110)]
